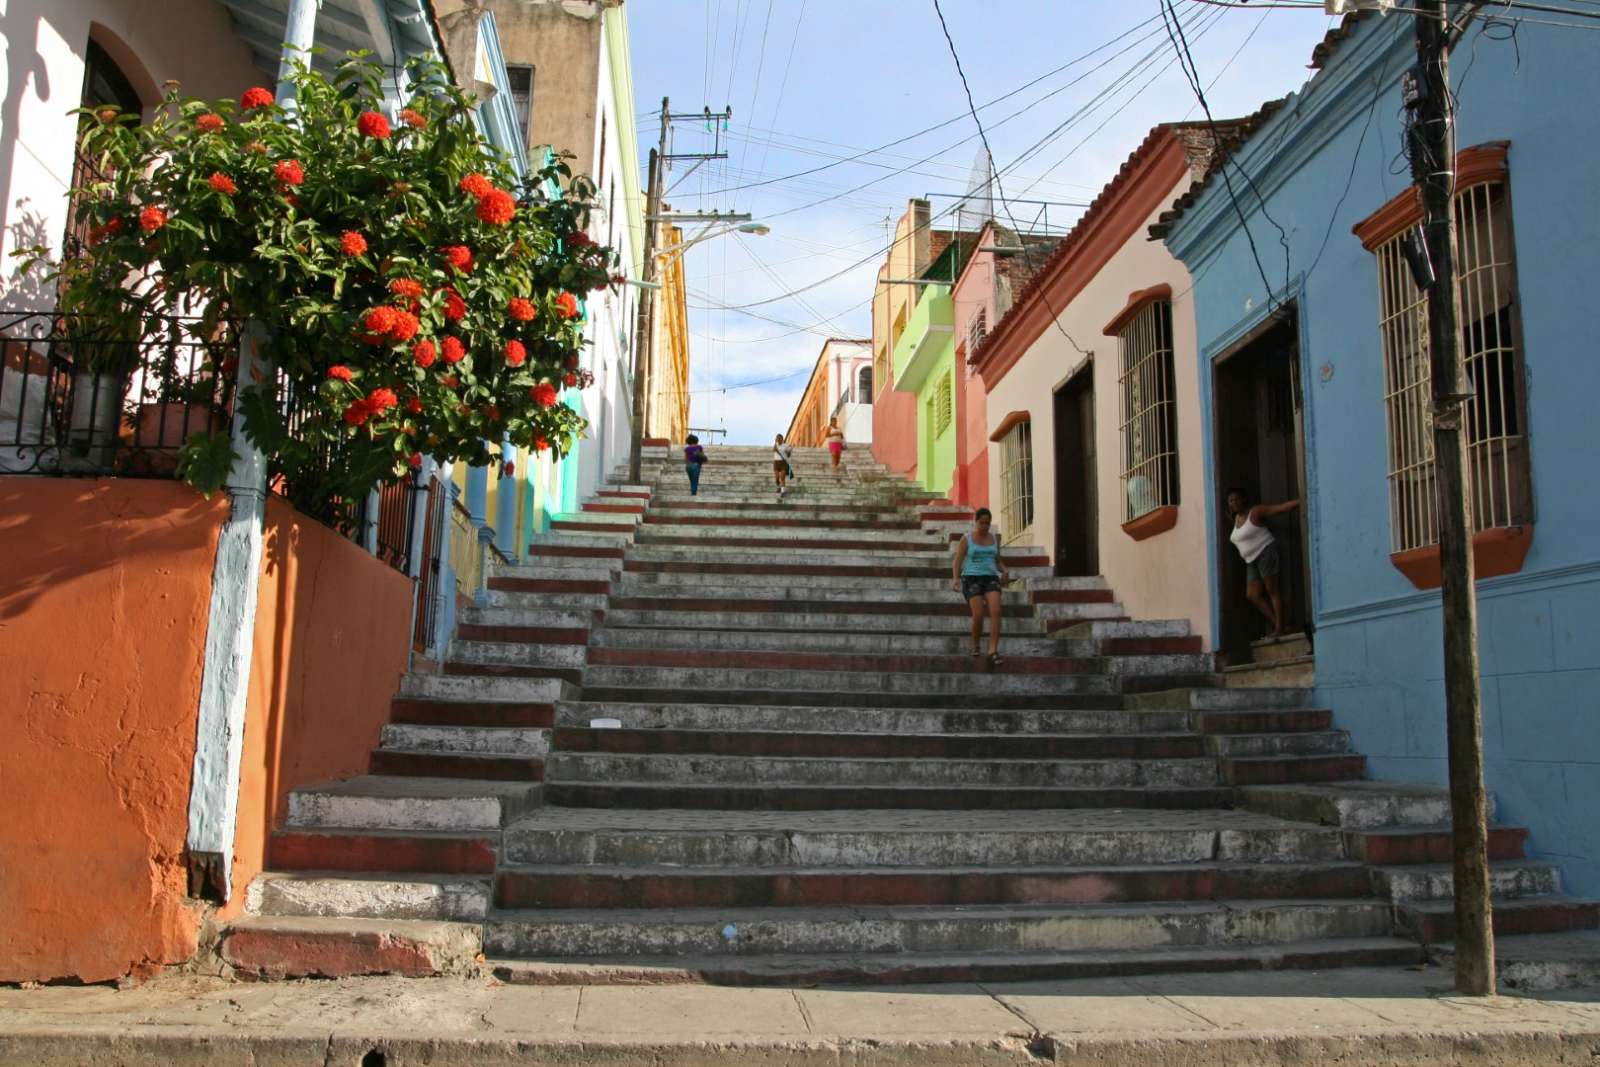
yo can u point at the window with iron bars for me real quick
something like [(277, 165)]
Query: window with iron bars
[(977, 330), (1149, 412), (943, 406), (1497, 446), (880, 369), (1016, 480)]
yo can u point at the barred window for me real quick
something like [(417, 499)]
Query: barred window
[(1016, 480), (519, 77), (864, 386), (1149, 412), (1497, 449), (880, 365), (943, 406), (977, 329)]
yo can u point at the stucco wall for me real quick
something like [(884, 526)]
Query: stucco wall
[(974, 292), (1379, 661), (103, 601), (1162, 577), (894, 413), (41, 80), (333, 629), (564, 50)]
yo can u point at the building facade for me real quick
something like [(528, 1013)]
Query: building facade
[(840, 387), (1329, 350), (667, 378)]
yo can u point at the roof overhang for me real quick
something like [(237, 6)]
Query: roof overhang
[(393, 30)]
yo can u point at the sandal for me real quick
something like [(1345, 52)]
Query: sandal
[(994, 661)]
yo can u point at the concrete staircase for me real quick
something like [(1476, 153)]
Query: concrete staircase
[(723, 738)]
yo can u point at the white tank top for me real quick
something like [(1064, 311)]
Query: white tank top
[(1250, 539)]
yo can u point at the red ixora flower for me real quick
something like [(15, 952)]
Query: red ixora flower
[(496, 207), (254, 98), (382, 399), (405, 326), (424, 353), (450, 381), (569, 379), (379, 321), (416, 460), (414, 403), (540, 444), (413, 118), (579, 239), (152, 219), (516, 354), (289, 171), (477, 185), (454, 350), (406, 287), (458, 257), (357, 413), (521, 310), (372, 124), (455, 308), (209, 122), (543, 394), (341, 372), (511, 470), (568, 305), (222, 183), (352, 243), (109, 229)]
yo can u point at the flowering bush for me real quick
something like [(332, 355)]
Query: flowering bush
[(412, 303)]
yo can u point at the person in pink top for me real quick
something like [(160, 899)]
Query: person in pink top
[(1259, 549), (835, 443)]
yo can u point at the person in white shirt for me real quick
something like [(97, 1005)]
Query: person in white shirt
[(780, 463), (1259, 549)]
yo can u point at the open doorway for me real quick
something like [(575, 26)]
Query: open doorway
[(1260, 435), (1077, 510)]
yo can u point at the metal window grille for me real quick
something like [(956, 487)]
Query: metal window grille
[(1497, 450), (1016, 480), (977, 330), (1149, 413), (864, 386), (520, 78), (943, 407)]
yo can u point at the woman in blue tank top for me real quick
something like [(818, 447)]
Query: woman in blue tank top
[(978, 572)]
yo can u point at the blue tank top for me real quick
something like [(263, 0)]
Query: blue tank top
[(983, 561)]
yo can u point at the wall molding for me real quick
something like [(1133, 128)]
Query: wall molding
[(1488, 589)]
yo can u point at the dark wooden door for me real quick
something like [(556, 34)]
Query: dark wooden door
[(1077, 503)]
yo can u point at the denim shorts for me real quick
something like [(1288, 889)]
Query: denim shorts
[(1264, 565), (977, 585)]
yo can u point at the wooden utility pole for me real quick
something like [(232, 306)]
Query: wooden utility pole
[(1433, 158), (645, 336)]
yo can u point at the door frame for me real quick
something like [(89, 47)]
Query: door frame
[(1081, 378)]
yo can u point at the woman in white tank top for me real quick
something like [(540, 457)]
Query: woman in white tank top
[(1259, 549)]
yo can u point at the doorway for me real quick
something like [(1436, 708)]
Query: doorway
[(1261, 448), (1077, 500)]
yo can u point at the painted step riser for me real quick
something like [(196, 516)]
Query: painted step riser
[(808, 621), (1330, 743), (738, 717), (478, 688), (440, 900), (855, 643), (467, 740), (320, 811), (1505, 883), (526, 845), (567, 768), (851, 935), (946, 684)]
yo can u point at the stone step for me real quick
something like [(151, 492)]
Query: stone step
[(693, 507), (1353, 805), (808, 621), (1282, 673), (804, 522), (1434, 881), (623, 519), (779, 558), (383, 851), (1058, 615), (1427, 844), (818, 601), (839, 640), (714, 657), (666, 578), (466, 739), (604, 564), (507, 607), (961, 682), (561, 622), (908, 968), (561, 654), (1205, 699), (553, 592), (853, 719), (851, 838), (279, 947), (584, 539), (1125, 629), (722, 797), (376, 802), (1267, 722), (881, 772), (763, 697), (435, 897), (1433, 921), (508, 678), (1533, 963), (986, 929), (1301, 743), (434, 763), (777, 886), (1277, 770), (789, 542), (1276, 649), (468, 713)]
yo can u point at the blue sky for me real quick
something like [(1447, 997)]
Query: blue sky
[(814, 82)]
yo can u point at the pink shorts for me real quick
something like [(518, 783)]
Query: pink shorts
[(836, 447)]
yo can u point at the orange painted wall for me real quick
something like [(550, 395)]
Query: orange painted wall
[(333, 627), (104, 589)]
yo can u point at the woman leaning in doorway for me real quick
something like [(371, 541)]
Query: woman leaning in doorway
[(978, 572)]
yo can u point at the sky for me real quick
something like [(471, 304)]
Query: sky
[(1065, 89)]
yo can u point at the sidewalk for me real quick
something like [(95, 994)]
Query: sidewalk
[(1355, 1018)]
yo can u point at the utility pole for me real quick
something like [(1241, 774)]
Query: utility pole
[(1433, 156), (645, 337)]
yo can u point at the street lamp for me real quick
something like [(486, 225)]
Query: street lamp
[(644, 349)]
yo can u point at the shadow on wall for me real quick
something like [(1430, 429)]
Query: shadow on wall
[(23, 66), (27, 290)]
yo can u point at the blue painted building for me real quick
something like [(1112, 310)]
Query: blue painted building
[(1314, 376)]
